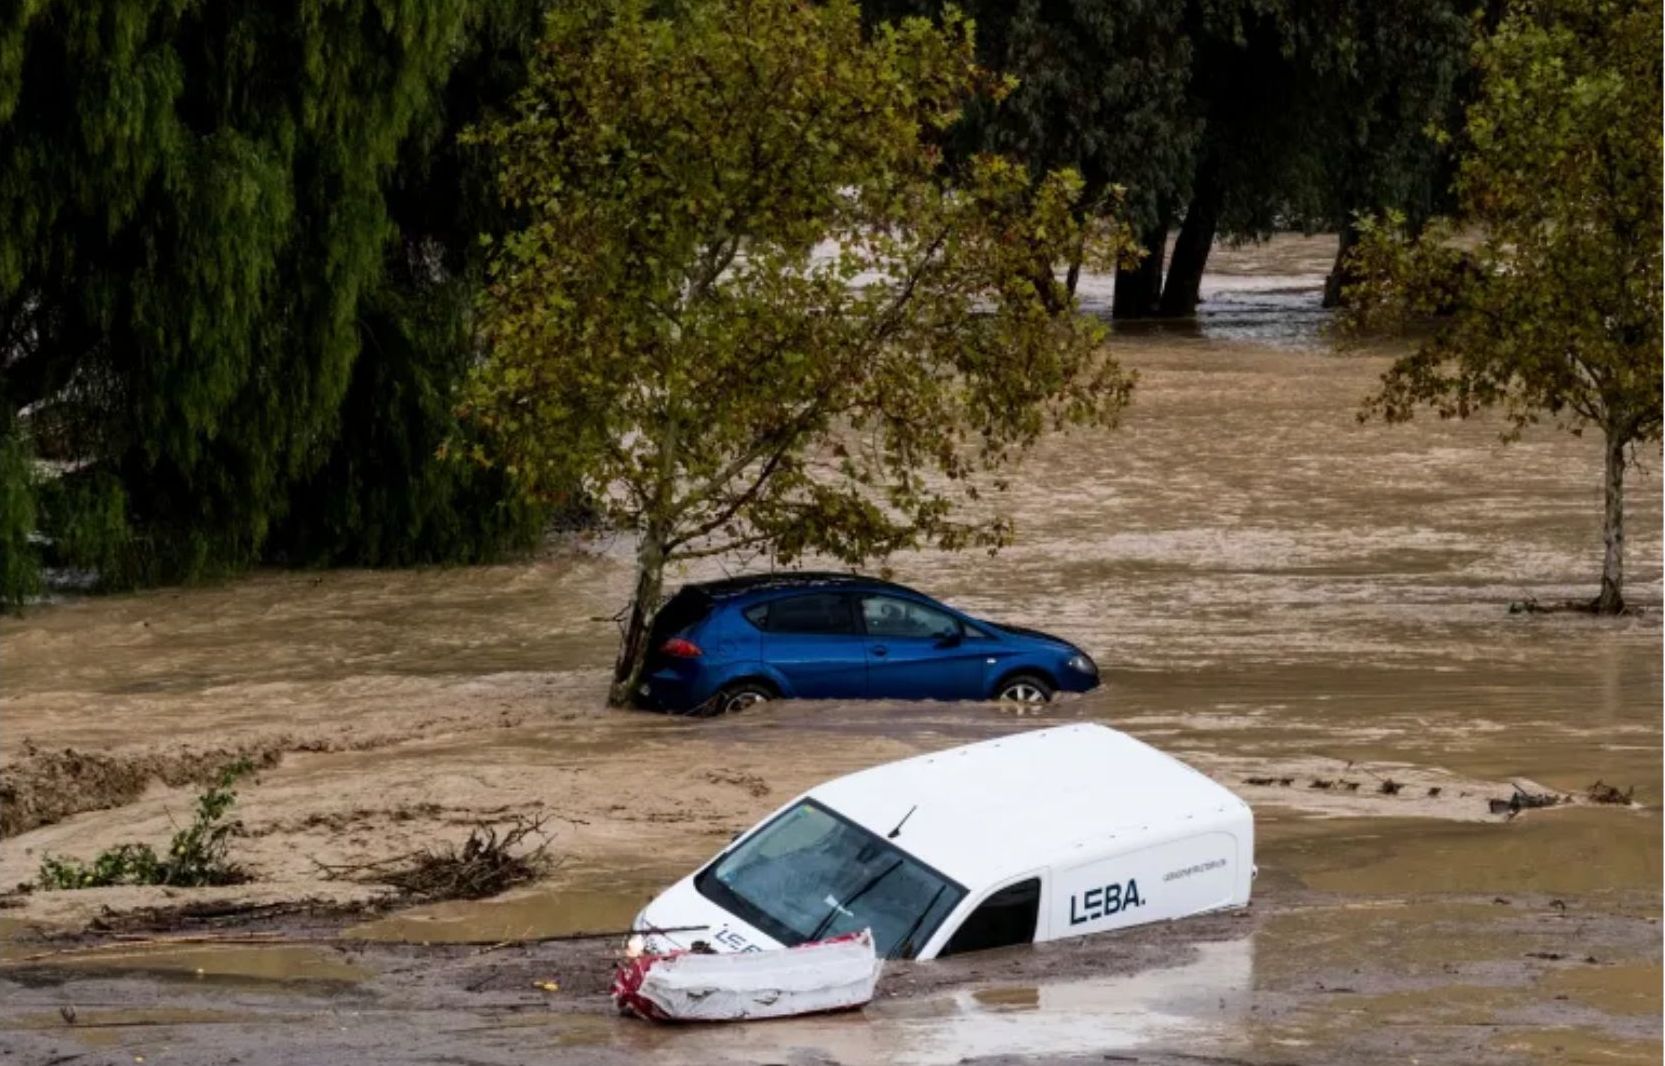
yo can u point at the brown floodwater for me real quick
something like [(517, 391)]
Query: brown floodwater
[(1273, 589)]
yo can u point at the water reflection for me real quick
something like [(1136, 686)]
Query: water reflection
[(1202, 999)]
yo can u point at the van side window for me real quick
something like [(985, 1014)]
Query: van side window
[(1005, 918)]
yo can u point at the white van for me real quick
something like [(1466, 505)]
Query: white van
[(1054, 833)]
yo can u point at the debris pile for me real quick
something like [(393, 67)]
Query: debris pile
[(1600, 792), (486, 864), (1523, 800)]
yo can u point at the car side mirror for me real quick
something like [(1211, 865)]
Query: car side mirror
[(950, 640)]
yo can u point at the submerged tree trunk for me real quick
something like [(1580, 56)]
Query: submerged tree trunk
[(1139, 289), (1073, 278), (1342, 273), (1611, 600), (633, 649), (1191, 247)]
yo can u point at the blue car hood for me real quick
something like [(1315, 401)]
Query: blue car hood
[(1035, 634)]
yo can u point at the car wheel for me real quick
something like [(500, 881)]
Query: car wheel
[(739, 697), (1026, 689)]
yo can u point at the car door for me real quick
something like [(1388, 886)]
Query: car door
[(918, 652), (813, 640)]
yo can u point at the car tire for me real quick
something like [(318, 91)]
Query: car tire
[(732, 699), (1027, 689)]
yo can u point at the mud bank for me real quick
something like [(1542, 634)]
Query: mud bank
[(1537, 982)]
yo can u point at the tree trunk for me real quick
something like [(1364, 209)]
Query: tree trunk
[(1191, 247), (1139, 289), (1611, 600), (1073, 278), (633, 649), (1342, 273)]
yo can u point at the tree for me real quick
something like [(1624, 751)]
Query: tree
[(1100, 88), (195, 235), (1404, 73), (380, 498), (747, 309), (1310, 114), (1555, 313)]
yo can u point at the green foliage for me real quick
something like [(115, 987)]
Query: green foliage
[(124, 864), (749, 309), (195, 220), (381, 498), (1234, 117), (19, 572), (87, 513), (1555, 310), (1101, 87), (197, 855)]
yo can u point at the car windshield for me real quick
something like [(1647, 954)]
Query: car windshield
[(810, 874)]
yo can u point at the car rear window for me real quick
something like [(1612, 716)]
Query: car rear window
[(687, 608), (818, 612)]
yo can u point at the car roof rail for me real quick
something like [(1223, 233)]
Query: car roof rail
[(733, 586)]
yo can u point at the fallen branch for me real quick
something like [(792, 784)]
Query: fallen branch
[(485, 865), (1601, 792)]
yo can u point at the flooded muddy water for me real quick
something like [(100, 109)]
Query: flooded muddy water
[(1274, 590)]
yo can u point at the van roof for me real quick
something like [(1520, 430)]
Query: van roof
[(989, 811)]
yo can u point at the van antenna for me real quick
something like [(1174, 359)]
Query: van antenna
[(894, 833)]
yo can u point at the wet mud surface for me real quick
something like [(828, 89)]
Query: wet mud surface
[(1279, 595)]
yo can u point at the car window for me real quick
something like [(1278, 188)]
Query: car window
[(687, 608), (891, 616), (819, 612), (1004, 919)]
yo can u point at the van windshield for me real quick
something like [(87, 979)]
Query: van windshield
[(810, 874)]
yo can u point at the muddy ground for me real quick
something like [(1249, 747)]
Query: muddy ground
[(1276, 592)]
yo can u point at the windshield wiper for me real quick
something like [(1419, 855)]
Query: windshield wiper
[(904, 946), (832, 913)]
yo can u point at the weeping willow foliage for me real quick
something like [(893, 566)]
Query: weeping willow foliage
[(194, 232)]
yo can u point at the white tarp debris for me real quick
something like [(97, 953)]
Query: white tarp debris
[(833, 975)]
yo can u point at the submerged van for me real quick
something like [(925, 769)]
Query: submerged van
[(1055, 833)]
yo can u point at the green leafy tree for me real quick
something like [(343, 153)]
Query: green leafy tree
[(18, 575), (1402, 72), (208, 213), (748, 311), (380, 498), (1101, 87), (1310, 113), (1226, 118), (1555, 313)]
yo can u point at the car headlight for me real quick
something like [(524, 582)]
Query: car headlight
[(1082, 664)]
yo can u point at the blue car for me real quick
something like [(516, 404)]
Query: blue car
[(726, 645)]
